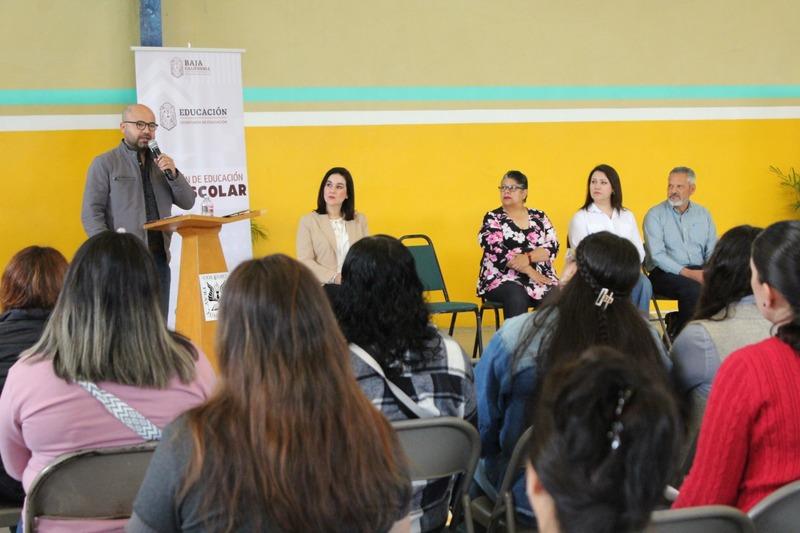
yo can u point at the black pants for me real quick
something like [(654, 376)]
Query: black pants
[(515, 299), (162, 269), (10, 489), (681, 288)]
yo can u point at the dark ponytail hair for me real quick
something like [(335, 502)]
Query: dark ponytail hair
[(776, 255), (727, 273), (605, 261), (605, 438)]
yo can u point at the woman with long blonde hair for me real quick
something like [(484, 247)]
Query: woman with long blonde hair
[(105, 357)]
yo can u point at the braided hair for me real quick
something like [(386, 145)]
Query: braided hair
[(572, 321), (605, 295)]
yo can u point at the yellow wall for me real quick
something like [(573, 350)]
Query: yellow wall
[(440, 180), (436, 179)]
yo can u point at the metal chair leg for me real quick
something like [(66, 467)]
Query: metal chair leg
[(663, 323), (478, 348), (496, 319), (452, 323)]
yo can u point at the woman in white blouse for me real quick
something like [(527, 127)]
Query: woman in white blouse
[(603, 211), (325, 235)]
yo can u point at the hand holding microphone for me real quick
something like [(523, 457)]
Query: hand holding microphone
[(164, 162)]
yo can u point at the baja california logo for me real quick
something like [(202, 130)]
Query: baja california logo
[(176, 67), (167, 116)]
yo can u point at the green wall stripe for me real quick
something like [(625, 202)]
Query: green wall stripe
[(563, 93), (67, 96), (18, 97)]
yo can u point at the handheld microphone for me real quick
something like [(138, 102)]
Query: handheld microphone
[(154, 149)]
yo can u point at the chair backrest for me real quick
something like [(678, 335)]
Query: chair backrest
[(780, 511), (440, 447), (426, 263), (705, 519), (89, 484), (505, 502)]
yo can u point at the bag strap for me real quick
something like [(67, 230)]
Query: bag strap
[(123, 412), (398, 393)]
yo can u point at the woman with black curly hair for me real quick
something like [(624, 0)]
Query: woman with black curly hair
[(405, 366)]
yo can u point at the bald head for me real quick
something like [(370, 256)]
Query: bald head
[(137, 110)]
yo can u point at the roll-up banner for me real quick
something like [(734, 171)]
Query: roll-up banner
[(196, 95)]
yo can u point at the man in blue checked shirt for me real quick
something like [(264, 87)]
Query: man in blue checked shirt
[(679, 238)]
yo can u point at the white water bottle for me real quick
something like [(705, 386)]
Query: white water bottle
[(207, 206)]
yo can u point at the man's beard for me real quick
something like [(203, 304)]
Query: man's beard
[(677, 203)]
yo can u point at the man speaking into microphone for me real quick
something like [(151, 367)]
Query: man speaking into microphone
[(133, 184)]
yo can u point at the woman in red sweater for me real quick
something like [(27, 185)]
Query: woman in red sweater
[(749, 442)]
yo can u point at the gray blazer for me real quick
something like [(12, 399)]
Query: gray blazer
[(114, 196)]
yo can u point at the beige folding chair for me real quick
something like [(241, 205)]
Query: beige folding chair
[(779, 512), (441, 447), (98, 484), (705, 519)]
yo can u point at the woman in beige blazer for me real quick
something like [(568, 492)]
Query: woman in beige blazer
[(325, 235)]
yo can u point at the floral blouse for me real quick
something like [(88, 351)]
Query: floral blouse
[(502, 239)]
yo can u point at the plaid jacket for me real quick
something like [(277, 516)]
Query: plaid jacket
[(444, 385)]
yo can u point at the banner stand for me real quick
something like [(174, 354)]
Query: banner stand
[(196, 95)]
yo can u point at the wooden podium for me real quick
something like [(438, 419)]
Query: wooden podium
[(201, 253)]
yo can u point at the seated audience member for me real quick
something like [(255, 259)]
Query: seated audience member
[(28, 291), (726, 319), (750, 437), (519, 247), (592, 308), (287, 442), (325, 234), (401, 361), (679, 237), (106, 334), (605, 436), (603, 211)]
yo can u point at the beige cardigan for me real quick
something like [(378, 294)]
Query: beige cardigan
[(316, 242)]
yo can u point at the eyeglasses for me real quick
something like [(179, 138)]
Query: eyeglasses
[(511, 188), (141, 124)]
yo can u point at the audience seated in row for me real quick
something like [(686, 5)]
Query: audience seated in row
[(750, 434), (28, 291), (605, 435), (107, 335), (592, 308), (288, 442), (405, 366), (290, 405)]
